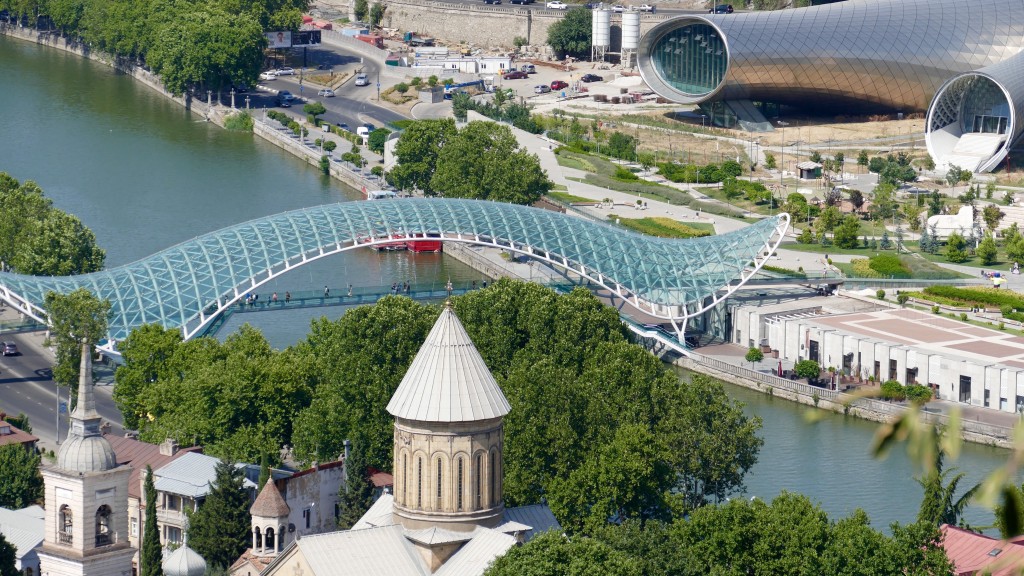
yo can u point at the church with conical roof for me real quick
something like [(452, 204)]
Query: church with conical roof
[(447, 514), (86, 495)]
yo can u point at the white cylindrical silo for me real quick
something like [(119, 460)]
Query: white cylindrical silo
[(602, 28), (630, 30)]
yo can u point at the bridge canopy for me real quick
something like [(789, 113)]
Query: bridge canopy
[(188, 284)]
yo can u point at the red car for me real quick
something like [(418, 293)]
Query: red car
[(515, 75), (559, 84)]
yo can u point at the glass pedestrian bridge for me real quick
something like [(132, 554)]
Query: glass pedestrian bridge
[(187, 286)]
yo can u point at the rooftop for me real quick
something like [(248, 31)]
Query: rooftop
[(971, 553), (11, 434), (448, 380), (24, 529), (190, 475), (138, 455)]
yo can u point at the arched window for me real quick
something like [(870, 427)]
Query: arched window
[(405, 478), (419, 482), (476, 480), (270, 539), (458, 486), (492, 479), (66, 525), (104, 531), (438, 484), (257, 539)]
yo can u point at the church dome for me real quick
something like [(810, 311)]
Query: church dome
[(86, 454), (184, 562)]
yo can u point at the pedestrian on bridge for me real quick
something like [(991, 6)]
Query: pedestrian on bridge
[(273, 297), (327, 292), (287, 297), (350, 290)]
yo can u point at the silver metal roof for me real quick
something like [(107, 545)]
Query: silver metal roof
[(184, 562), (191, 475), (383, 551), (380, 514), (477, 554), (24, 529), (538, 517), (448, 380)]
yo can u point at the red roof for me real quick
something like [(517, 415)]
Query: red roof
[(138, 454), (380, 479), (11, 434), (971, 553)]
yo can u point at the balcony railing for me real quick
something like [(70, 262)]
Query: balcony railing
[(64, 538), (104, 540)]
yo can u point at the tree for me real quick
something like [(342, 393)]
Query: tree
[(646, 160), (935, 203), (570, 36), (940, 504), (862, 159), (151, 554), (219, 530), (926, 240), (377, 14), (1015, 249), (21, 484), (882, 201), (886, 243), (807, 369), (992, 216), (356, 494), (815, 156), (769, 161), (856, 199), (551, 554), (955, 245), (754, 355), (623, 146), (360, 10), (314, 108), (377, 139), (484, 161), (912, 212), (417, 151), (847, 232), (8, 558), (987, 250), (73, 318)]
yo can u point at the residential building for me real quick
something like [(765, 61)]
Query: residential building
[(86, 495), (11, 434), (973, 553), (24, 529)]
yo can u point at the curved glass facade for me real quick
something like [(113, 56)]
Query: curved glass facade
[(692, 59), (985, 109)]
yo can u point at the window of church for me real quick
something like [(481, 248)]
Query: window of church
[(458, 486), (405, 477), (491, 479), (66, 525), (419, 482), (270, 539), (476, 479), (438, 483), (104, 533)]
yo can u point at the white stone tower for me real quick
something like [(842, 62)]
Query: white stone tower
[(86, 497), (448, 435), (269, 521)]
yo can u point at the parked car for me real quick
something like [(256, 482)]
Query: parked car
[(528, 68), (369, 127), (286, 71), (559, 84), (542, 89), (721, 9), (269, 75), (326, 93), (515, 75), (285, 96), (618, 8), (591, 78), (492, 1), (10, 349), (362, 80), (644, 8), (592, 5), (343, 126), (556, 5)]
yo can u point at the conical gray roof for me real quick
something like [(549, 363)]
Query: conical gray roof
[(448, 380)]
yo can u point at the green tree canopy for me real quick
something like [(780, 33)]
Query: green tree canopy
[(151, 554), (356, 495), (417, 151), (219, 530), (377, 138), (484, 161), (570, 36), (8, 558), (551, 554), (21, 484), (73, 318)]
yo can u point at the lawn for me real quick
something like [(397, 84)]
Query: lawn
[(570, 160), (917, 268), (665, 227), (570, 198)]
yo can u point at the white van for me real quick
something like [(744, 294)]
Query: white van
[(364, 133)]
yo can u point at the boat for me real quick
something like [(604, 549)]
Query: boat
[(400, 244), (423, 245)]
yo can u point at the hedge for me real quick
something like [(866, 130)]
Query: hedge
[(976, 296)]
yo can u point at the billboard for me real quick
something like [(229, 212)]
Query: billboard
[(279, 39), (306, 37)]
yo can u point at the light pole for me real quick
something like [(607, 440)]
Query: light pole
[(782, 154)]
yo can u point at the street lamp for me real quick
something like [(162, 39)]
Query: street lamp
[(782, 154)]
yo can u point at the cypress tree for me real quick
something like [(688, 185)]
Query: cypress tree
[(219, 530), (264, 471), (151, 556), (356, 496)]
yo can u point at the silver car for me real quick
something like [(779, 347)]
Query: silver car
[(362, 80)]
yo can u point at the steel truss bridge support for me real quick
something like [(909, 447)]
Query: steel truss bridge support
[(188, 285)]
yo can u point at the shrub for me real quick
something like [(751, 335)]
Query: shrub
[(807, 369), (935, 309), (401, 87), (377, 171), (862, 268), (624, 174), (241, 121), (902, 299), (880, 294), (1002, 326), (888, 265), (416, 81), (963, 316), (917, 393), (330, 145), (893, 390), (325, 165)]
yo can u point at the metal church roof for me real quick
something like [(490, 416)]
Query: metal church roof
[(448, 380)]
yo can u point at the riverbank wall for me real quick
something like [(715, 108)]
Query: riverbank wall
[(215, 113)]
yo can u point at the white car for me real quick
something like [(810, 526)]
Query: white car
[(362, 80), (266, 76), (285, 71), (326, 93), (644, 8), (556, 5), (618, 8)]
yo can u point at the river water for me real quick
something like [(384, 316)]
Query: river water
[(143, 174)]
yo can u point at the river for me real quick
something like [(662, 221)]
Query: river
[(144, 174)]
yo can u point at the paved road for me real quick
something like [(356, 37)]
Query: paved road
[(26, 386), (539, 5)]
